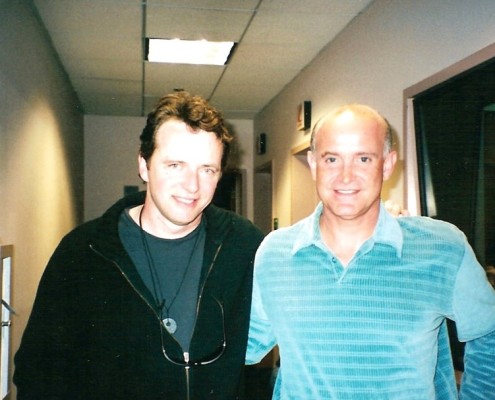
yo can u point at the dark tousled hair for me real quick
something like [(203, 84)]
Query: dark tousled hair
[(195, 111)]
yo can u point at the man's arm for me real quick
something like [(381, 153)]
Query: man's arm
[(261, 339), (474, 305), (478, 380)]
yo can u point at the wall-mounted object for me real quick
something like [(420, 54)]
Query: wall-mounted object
[(6, 256), (261, 143), (304, 116)]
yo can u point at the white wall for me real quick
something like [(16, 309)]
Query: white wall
[(41, 158), (111, 148), (392, 45)]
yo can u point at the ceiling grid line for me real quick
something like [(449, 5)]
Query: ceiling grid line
[(253, 14), (101, 47)]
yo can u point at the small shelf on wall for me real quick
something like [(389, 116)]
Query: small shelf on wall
[(300, 149)]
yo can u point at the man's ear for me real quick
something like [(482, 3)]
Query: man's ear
[(312, 163), (389, 164), (143, 168)]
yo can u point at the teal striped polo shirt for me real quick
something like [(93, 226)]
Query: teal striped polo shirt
[(377, 328)]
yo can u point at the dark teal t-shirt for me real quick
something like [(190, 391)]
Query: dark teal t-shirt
[(171, 269)]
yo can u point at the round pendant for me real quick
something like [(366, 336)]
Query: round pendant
[(170, 325)]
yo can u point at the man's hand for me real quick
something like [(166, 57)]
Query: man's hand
[(395, 209)]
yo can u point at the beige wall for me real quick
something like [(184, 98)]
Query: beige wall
[(41, 162), (392, 45), (110, 154), (111, 147)]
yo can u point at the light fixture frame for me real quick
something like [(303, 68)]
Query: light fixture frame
[(196, 52)]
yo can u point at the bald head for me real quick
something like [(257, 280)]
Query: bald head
[(356, 110)]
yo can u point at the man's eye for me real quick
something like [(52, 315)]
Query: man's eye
[(365, 159), (330, 159), (210, 171)]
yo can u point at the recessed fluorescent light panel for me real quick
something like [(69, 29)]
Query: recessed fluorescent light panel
[(188, 51)]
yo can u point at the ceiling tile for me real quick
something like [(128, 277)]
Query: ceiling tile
[(91, 16), (100, 45), (116, 87), (196, 24), (160, 78), (107, 68), (104, 104)]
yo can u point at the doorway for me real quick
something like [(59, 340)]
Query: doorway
[(262, 199), (450, 153), (455, 148), (231, 191)]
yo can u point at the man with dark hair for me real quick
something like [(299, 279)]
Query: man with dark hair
[(151, 300)]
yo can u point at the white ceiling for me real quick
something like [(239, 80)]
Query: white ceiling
[(100, 44)]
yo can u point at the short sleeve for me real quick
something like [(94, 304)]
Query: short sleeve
[(261, 339), (474, 299)]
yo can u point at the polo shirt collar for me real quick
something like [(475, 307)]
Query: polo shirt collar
[(387, 231)]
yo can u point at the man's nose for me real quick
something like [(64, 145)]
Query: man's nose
[(347, 172), (191, 180)]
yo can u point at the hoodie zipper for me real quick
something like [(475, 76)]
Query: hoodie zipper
[(185, 353)]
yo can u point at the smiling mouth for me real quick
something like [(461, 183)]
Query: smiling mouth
[(349, 191), (185, 200)]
